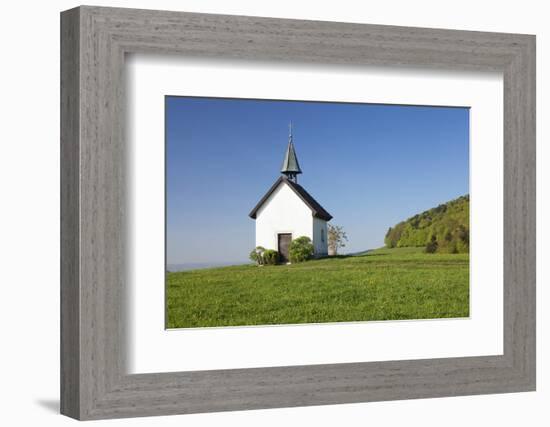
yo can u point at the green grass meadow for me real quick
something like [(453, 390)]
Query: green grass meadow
[(385, 284)]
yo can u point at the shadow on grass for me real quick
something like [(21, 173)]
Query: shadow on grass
[(369, 252)]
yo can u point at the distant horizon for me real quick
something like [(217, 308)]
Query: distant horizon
[(185, 266), (190, 265), (370, 165)]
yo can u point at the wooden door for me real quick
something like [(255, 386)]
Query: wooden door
[(284, 246)]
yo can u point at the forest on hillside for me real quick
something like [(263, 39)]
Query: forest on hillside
[(443, 229)]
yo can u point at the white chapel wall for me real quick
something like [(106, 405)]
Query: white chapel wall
[(320, 238), (283, 212)]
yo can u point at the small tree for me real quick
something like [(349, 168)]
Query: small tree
[(257, 255), (301, 249), (432, 245), (336, 238)]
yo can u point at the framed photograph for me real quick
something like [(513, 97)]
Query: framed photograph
[(262, 213)]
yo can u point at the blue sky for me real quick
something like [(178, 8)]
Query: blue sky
[(369, 165)]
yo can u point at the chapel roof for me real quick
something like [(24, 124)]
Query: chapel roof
[(317, 210)]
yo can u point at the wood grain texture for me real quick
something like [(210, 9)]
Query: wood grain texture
[(94, 382), (70, 220)]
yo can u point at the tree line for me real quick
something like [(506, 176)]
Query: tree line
[(443, 229)]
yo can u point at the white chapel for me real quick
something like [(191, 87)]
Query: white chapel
[(288, 211)]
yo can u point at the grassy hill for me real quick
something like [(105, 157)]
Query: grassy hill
[(385, 284), (444, 229)]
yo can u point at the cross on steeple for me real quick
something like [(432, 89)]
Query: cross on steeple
[(291, 167)]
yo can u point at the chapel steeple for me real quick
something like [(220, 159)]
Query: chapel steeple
[(291, 167)]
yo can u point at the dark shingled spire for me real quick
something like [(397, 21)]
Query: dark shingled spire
[(290, 167)]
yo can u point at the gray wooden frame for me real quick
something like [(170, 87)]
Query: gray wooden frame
[(94, 382)]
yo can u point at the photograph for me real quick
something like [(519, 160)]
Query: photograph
[(301, 212)]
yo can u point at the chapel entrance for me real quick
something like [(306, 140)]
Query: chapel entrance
[(284, 240)]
